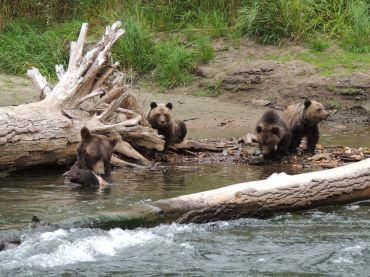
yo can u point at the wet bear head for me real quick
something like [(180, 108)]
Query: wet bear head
[(94, 149), (160, 115), (270, 131), (314, 112)]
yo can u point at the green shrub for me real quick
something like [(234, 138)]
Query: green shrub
[(270, 21), (24, 45), (358, 37), (319, 45), (136, 49), (174, 64), (204, 50)]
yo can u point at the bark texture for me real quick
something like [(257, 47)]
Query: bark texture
[(278, 193)]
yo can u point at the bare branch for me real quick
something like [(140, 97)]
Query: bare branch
[(96, 92), (77, 47), (119, 162), (126, 149), (105, 76), (111, 108), (59, 69), (39, 81)]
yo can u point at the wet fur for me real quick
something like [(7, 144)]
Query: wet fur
[(302, 119), (93, 149), (160, 119), (273, 136), (83, 177)]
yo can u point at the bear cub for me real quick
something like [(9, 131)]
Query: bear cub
[(302, 119), (160, 118), (94, 149), (273, 136)]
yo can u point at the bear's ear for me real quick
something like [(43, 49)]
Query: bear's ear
[(153, 105), (169, 105), (275, 130), (85, 134), (258, 129), (307, 103)]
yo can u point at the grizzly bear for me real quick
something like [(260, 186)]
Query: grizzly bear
[(160, 118), (302, 119), (273, 136), (93, 149)]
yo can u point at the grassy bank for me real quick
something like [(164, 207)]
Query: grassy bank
[(167, 39)]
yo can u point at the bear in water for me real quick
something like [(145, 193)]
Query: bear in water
[(160, 119), (273, 136), (92, 150), (302, 119)]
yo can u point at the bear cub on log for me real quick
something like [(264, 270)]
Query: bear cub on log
[(302, 119), (160, 119), (273, 136), (92, 150)]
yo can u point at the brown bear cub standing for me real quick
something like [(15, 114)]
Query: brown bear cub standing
[(94, 149), (273, 136), (160, 119), (302, 119)]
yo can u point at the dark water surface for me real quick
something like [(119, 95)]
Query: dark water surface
[(331, 241)]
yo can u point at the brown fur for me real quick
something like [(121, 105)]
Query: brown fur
[(160, 119), (302, 119), (94, 149), (273, 135)]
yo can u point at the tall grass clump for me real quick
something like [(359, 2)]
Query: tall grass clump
[(270, 21), (136, 49), (203, 49), (24, 45), (357, 38), (174, 64), (319, 45)]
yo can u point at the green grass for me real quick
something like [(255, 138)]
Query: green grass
[(319, 45), (358, 37), (37, 33), (329, 62), (137, 48), (333, 105), (24, 45), (174, 64)]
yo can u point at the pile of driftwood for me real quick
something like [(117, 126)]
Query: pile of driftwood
[(90, 92)]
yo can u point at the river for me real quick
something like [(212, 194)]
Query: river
[(330, 241)]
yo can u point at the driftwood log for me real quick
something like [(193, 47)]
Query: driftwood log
[(278, 193), (90, 93)]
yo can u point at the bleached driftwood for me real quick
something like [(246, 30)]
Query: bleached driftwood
[(278, 193), (196, 146), (47, 132)]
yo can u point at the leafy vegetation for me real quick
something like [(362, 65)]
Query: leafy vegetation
[(37, 32)]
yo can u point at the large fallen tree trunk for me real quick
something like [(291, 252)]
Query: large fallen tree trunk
[(280, 192), (47, 132)]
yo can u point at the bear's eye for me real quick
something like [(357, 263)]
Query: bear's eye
[(259, 129), (318, 110)]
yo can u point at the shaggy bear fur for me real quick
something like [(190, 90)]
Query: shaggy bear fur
[(302, 119), (94, 149), (273, 136), (84, 177), (160, 119)]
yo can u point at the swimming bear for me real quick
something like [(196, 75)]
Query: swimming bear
[(93, 149)]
